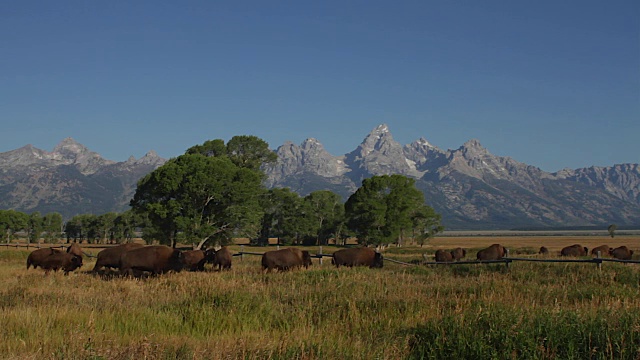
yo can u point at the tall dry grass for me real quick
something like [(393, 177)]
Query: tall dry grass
[(532, 310)]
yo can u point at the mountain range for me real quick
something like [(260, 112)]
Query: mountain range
[(469, 186)]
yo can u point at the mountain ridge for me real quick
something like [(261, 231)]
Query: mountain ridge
[(469, 186), (473, 188)]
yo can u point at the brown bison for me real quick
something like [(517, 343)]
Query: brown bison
[(603, 249), (220, 258), (60, 260), (358, 257), (194, 260), (574, 250), (285, 259), (74, 249), (543, 251), (36, 257), (493, 252), (458, 253), (304, 255), (110, 257), (443, 256), (621, 253), (157, 259)]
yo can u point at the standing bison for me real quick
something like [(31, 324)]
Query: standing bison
[(458, 253), (358, 257), (603, 249), (543, 250), (36, 257), (220, 258), (621, 253), (493, 252), (74, 249), (110, 257), (61, 260), (285, 259), (157, 259), (194, 260), (574, 250), (443, 256)]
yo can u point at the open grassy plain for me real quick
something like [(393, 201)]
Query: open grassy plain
[(529, 311)]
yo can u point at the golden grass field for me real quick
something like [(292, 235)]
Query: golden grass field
[(529, 311)]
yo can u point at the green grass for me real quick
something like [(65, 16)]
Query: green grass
[(530, 311)]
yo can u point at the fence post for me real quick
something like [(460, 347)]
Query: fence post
[(506, 254), (320, 255), (277, 247), (600, 261), (241, 252)]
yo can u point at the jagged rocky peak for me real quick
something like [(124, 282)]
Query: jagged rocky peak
[(69, 151), (311, 143), (150, 158), (378, 139), (423, 143), (313, 147), (69, 146), (379, 153), (473, 148), (23, 156), (288, 149), (422, 147)]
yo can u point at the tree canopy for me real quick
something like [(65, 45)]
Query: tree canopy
[(387, 207), (210, 192)]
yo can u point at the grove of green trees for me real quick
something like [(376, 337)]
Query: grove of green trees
[(214, 193)]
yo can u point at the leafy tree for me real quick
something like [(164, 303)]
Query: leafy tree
[(82, 227), (105, 227), (12, 221), (245, 151), (201, 197), (426, 224), (285, 217), (325, 211), (125, 225), (250, 152), (34, 227), (383, 209), (52, 226), (612, 229), (215, 148)]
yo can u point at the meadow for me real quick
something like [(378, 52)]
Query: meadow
[(528, 311)]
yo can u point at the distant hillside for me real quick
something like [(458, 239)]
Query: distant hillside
[(70, 180)]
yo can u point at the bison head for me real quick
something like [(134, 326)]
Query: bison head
[(378, 260), (306, 259), (209, 255)]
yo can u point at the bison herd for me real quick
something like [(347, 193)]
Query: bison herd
[(497, 252), (620, 253), (134, 259)]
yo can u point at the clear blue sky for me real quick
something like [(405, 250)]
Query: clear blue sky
[(553, 84)]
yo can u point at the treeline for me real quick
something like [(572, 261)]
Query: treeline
[(214, 193), (34, 226), (106, 228)]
